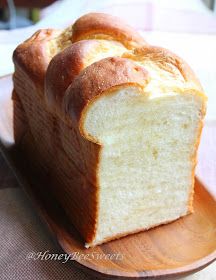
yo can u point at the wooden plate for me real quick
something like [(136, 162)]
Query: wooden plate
[(179, 248)]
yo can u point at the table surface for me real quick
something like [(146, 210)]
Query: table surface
[(22, 232)]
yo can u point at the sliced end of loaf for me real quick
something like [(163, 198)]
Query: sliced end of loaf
[(147, 158)]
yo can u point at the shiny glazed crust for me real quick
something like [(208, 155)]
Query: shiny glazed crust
[(53, 65)]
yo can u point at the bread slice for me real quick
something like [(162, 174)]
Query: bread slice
[(116, 123)]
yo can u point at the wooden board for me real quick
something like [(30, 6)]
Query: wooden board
[(177, 249)]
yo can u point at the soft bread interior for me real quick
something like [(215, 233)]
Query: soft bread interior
[(147, 159)]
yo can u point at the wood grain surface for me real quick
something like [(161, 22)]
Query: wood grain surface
[(173, 250)]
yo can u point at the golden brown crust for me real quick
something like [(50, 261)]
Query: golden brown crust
[(77, 187), (32, 55), (68, 158), (166, 60), (102, 25), (98, 78), (62, 70)]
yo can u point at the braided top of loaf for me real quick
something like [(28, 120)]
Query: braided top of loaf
[(95, 55)]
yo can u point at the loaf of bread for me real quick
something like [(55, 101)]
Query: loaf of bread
[(116, 123)]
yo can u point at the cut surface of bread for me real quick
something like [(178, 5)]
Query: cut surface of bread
[(147, 158), (116, 123)]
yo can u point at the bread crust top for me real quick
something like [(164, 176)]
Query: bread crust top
[(104, 26), (166, 60), (32, 56), (63, 69), (71, 69)]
